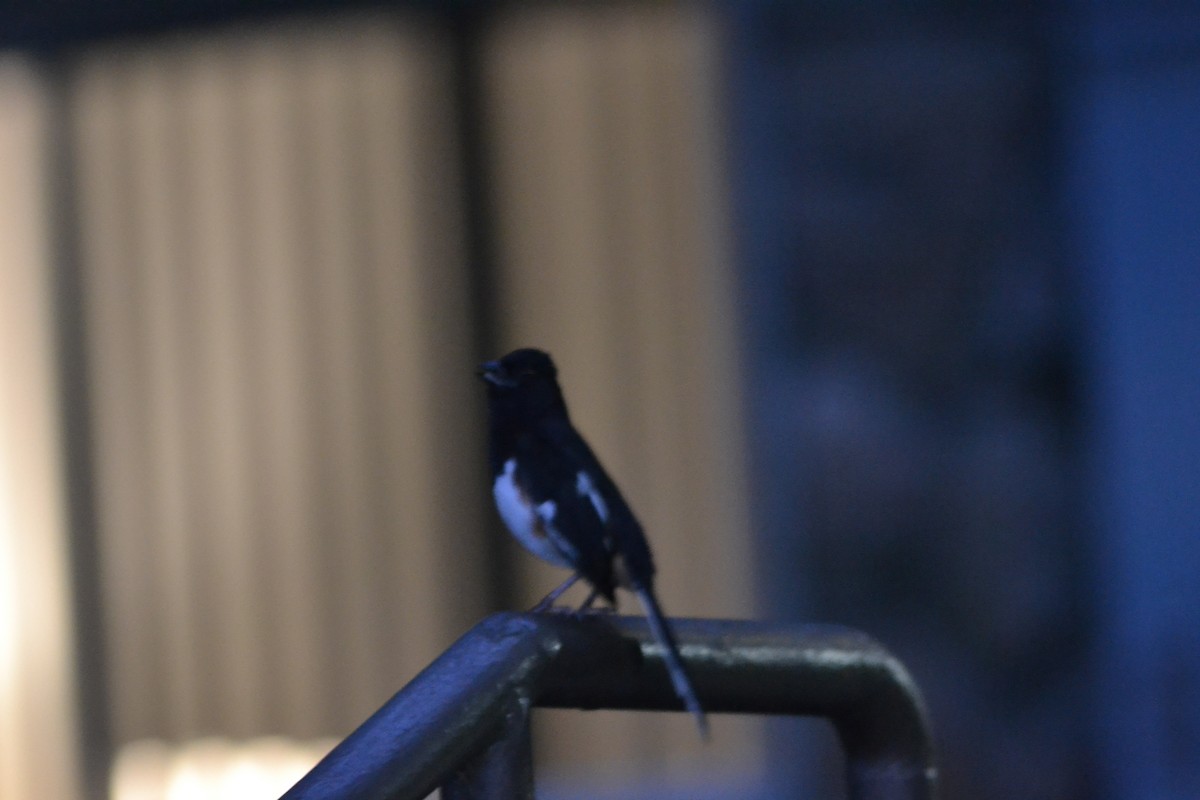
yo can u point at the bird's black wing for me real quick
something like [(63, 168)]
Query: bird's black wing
[(547, 469), (623, 536), (629, 541), (628, 538)]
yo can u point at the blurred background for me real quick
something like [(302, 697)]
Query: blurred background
[(887, 317)]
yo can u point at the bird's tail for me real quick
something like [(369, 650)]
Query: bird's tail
[(666, 639)]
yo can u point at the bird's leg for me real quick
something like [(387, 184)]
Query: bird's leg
[(586, 608), (547, 602)]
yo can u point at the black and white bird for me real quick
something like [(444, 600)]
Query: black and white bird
[(561, 505)]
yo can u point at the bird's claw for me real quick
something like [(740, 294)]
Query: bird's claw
[(596, 611), (550, 608)]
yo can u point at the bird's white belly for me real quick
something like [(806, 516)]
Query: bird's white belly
[(531, 525)]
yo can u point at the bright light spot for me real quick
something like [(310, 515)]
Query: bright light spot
[(8, 589), (208, 769)]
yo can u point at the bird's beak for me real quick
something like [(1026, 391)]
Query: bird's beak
[(492, 372)]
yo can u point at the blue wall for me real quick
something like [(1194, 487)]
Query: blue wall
[(1133, 139)]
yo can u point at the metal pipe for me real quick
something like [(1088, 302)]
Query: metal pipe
[(446, 716), (504, 771), (441, 727), (752, 667)]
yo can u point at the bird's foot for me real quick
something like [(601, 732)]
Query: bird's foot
[(552, 609), (589, 608), (546, 604), (602, 611)]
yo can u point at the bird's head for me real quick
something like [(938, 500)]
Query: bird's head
[(523, 381)]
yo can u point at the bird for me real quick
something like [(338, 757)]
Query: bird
[(560, 504)]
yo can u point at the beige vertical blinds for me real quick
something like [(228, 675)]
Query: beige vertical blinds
[(279, 347)]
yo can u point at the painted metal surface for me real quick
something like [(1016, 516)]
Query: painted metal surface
[(462, 724)]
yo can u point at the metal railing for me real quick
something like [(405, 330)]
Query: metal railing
[(463, 723)]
